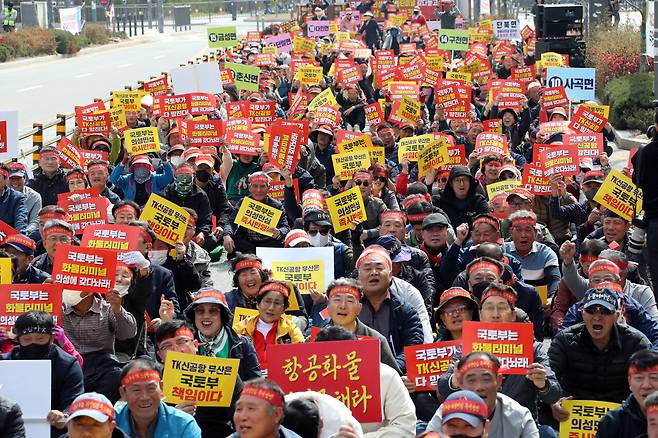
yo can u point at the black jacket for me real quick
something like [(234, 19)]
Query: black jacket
[(198, 201), (32, 275), (461, 211), (11, 419), (644, 177), (66, 379), (186, 279), (627, 421), (162, 285), (218, 200), (587, 373), (372, 34), (43, 263), (135, 303), (49, 188)]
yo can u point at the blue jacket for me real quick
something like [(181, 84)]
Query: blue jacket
[(627, 421), (128, 185), (636, 316), (171, 423), (13, 210)]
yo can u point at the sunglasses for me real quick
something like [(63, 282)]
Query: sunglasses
[(593, 310), (381, 179), (363, 182), (323, 231)]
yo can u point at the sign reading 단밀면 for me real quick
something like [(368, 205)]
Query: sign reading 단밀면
[(346, 370), (84, 269), (16, 299), (257, 216), (512, 343), (346, 209), (584, 417), (427, 362), (167, 220), (208, 381)]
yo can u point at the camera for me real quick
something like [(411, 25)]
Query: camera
[(637, 238)]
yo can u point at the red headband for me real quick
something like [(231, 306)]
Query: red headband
[(183, 168), (126, 208), (608, 266), (652, 410), (46, 153), (524, 221), (465, 406), (393, 214), (588, 258), (267, 395), (363, 175), (93, 405), (259, 179), (453, 292), (74, 175), (57, 229), (479, 364), (52, 215), (487, 220), (484, 265), (180, 331), (97, 166), (345, 290), (140, 376), (493, 292), (623, 266), (374, 253), (610, 285), (246, 264), (633, 370), (417, 217), (275, 287)]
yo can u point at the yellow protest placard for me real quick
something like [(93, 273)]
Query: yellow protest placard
[(458, 76), (349, 162), (118, 117), (257, 216), (167, 220), (398, 20), (409, 109), (433, 156), (129, 100), (242, 313), (346, 209), (140, 141), (5, 270), (333, 28), (274, 50), (435, 62), (306, 275), (410, 147), (584, 417), (543, 293), (326, 97), (360, 142), (376, 154), (309, 74), (342, 36), (619, 194), (208, 381), (499, 187), (551, 59), (602, 110), (303, 45)]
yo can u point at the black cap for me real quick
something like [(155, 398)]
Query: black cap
[(435, 219), (601, 296), (34, 321), (318, 217)]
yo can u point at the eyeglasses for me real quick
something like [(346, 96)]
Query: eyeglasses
[(600, 310), (381, 179), (323, 231), (272, 303), (363, 182), (180, 342), (455, 310)]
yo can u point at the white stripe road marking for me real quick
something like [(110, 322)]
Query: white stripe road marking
[(83, 75), (34, 87), (124, 65), (159, 56)]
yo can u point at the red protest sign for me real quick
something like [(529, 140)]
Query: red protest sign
[(384, 59), (277, 189), (16, 299), (534, 181), (554, 97), (447, 96), (374, 114), (69, 154), (202, 104), (300, 125), (91, 192), (589, 145), (114, 237), (85, 269), (236, 109), (82, 214), (243, 142), (5, 231), (524, 74), (86, 156), (227, 77), (299, 104), (346, 370), (97, 123), (585, 120), (157, 87), (493, 125), (400, 89), (632, 153), (491, 143), (239, 124), (427, 362), (261, 112), (201, 133), (456, 156), (349, 75), (326, 115), (285, 142), (562, 159), (99, 105), (511, 342), (171, 107)]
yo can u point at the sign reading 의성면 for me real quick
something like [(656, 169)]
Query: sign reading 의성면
[(167, 220), (346, 209), (84, 269), (140, 141), (512, 343), (584, 417), (257, 216), (208, 381), (16, 299), (427, 362), (346, 370)]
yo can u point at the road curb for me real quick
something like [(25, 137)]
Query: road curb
[(631, 143)]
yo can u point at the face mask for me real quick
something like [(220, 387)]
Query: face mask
[(122, 289), (158, 257), (590, 194), (478, 288), (579, 177), (71, 297), (203, 176), (176, 160), (183, 186), (319, 240), (141, 174), (34, 351)]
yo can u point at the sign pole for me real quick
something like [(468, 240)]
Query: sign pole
[(655, 49)]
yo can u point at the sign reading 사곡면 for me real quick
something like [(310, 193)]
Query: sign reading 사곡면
[(167, 220), (346, 370), (346, 209), (257, 216), (208, 381), (84, 269)]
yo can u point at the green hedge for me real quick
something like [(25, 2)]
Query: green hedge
[(630, 100)]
